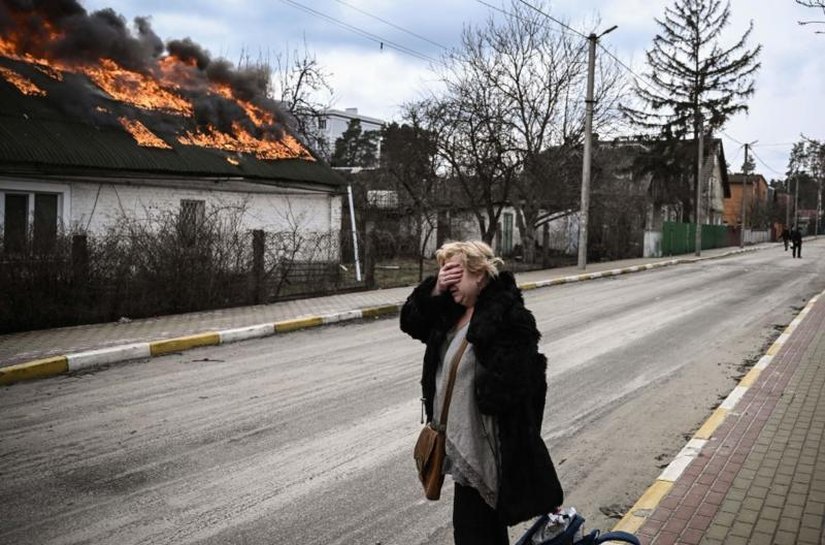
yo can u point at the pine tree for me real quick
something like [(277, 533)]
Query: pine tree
[(356, 147), (694, 76), (697, 84)]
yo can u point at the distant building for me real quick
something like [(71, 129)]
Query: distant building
[(333, 123), (756, 197)]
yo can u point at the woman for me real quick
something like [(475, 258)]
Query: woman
[(502, 470)]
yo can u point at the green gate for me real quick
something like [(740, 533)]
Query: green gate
[(680, 238)]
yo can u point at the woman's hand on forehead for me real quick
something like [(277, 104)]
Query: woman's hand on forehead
[(448, 275)]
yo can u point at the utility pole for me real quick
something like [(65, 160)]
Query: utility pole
[(787, 204), (354, 234), (584, 216), (699, 184), (796, 203), (818, 204), (819, 192), (743, 214)]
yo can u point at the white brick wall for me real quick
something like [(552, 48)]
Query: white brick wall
[(98, 206), (94, 207)]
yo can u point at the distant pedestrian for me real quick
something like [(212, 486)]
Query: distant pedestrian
[(796, 242), (495, 454), (786, 236)]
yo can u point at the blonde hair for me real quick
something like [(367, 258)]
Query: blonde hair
[(476, 256)]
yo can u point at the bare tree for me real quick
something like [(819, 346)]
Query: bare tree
[(816, 4), (542, 73), (477, 150), (513, 117), (812, 4), (301, 85), (409, 163)]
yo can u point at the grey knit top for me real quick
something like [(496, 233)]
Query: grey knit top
[(472, 438)]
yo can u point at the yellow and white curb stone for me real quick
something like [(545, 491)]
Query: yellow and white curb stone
[(58, 365), (651, 498)]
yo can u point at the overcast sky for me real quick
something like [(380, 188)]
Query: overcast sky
[(790, 84)]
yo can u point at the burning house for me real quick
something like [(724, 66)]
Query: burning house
[(99, 122)]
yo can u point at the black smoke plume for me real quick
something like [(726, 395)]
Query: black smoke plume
[(83, 37)]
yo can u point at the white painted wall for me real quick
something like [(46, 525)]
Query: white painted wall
[(756, 236), (464, 226), (97, 206), (94, 207), (653, 244), (564, 234), (714, 195)]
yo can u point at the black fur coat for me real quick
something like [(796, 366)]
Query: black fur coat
[(510, 384)]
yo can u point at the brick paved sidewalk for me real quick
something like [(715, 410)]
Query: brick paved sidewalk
[(760, 479), (30, 345)]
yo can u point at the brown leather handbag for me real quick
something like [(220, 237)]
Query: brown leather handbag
[(431, 447)]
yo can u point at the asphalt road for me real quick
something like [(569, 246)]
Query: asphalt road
[(307, 437)]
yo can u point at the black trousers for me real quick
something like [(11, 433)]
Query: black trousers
[(475, 522)]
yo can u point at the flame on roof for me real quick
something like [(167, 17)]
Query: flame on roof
[(24, 85), (174, 84), (286, 147), (142, 135)]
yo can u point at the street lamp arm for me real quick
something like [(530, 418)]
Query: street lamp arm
[(608, 31)]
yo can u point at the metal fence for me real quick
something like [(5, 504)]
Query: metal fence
[(86, 279), (680, 238)]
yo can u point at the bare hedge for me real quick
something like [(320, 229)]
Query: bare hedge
[(169, 264)]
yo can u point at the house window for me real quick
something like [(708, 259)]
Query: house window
[(15, 222), (45, 221), (35, 211), (322, 124), (192, 214), (382, 198)]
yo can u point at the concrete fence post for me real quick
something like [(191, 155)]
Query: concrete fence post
[(258, 241), (369, 255), (545, 245), (80, 259)]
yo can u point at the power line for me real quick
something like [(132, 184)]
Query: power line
[(369, 35), (568, 27), (736, 157), (510, 14), (729, 137), (766, 165), (777, 145), (636, 76), (390, 23)]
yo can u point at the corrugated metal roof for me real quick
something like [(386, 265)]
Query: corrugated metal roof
[(58, 131)]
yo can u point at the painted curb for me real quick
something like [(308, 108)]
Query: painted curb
[(42, 368), (650, 499), (58, 365), (105, 356), (178, 344)]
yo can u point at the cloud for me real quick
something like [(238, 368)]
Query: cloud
[(789, 85), (377, 82)]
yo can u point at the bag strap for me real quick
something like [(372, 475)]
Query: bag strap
[(448, 395), (618, 535)]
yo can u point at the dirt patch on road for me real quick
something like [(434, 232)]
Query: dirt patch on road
[(620, 453)]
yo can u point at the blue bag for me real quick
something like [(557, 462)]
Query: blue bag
[(568, 535)]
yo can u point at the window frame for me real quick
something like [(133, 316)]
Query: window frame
[(31, 189)]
